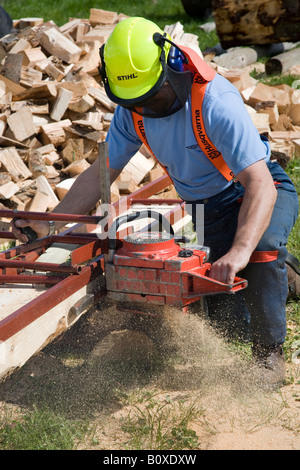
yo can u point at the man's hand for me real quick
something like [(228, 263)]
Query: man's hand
[(41, 227), (254, 217), (226, 268)]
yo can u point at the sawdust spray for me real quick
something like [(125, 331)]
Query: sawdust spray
[(189, 351)]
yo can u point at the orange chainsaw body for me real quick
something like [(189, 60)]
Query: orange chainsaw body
[(153, 268)]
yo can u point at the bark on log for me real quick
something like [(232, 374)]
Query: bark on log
[(256, 21), (283, 62)]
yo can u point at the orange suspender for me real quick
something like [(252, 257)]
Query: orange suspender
[(206, 145), (140, 130), (198, 92)]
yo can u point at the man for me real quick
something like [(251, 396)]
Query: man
[(195, 123)]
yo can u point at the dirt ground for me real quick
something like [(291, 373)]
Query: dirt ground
[(111, 354)]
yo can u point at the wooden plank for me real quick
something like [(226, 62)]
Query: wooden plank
[(16, 350)]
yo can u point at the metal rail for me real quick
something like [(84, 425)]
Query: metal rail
[(90, 254)]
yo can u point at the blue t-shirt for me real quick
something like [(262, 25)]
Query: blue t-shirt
[(172, 140)]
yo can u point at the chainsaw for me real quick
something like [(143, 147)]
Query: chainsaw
[(150, 267), (153, 267)]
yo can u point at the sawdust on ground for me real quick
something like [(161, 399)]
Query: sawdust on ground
[(110, 354)]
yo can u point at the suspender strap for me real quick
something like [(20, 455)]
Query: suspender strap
[(206, 145), (203, 74), (263, 256), (140, 130)]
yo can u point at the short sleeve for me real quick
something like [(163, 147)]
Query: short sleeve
[(122, 139), (229, 125)]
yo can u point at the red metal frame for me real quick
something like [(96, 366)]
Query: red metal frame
[(15, 260), (87, 263)]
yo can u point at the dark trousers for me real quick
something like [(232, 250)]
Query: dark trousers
[(262, 304)]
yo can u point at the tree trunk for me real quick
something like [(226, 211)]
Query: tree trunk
[(252, 22)]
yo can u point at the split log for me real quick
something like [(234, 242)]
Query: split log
[(44, 187), (61, 104), (13, 164), (256, 22), (55, 43), (11, 86), (294, 114), (63, 187), (73, 150), (39, 92), (7, 190), (13, 66), (21, 124), (82, 104), (76, 168), (36, 164), (269, 93), (98, 16), (270, 108), (138, 167)]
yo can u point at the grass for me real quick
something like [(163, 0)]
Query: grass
[(159, 11), (293, 171), (156, 424), (39, 430)]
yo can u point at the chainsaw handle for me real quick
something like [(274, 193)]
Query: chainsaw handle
[(149, 213)]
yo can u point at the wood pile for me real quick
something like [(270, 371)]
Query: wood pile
[(54, 111), (274, 110)]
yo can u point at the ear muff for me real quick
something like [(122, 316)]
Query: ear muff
[(160, 40), (101, 67)]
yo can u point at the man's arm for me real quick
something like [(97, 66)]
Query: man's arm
[(254, 218), (80, 199)]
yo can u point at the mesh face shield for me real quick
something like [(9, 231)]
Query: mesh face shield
[(180, 82)]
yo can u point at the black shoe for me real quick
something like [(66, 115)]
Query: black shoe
[(271, 363), (293, 271)]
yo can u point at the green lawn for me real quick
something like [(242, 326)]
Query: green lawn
[(159, 11)]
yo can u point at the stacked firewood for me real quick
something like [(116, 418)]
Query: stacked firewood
[(54, 111), (274, 109)]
